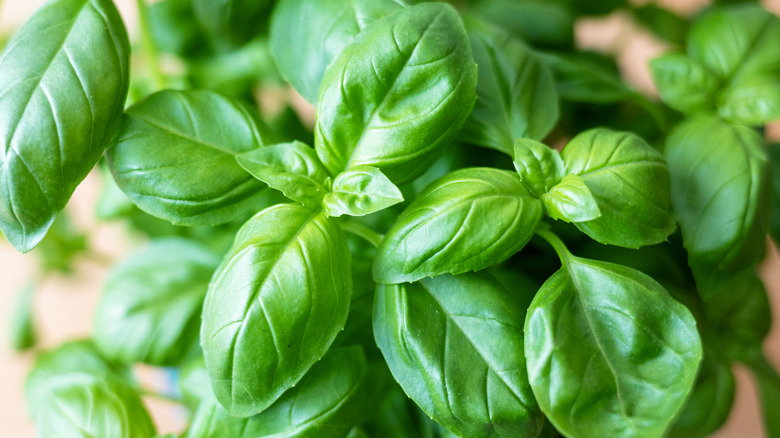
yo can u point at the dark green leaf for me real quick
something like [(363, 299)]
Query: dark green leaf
[(630, 182), (683, 83), (150, 311), (571, 201), (274, 306), (586, 77), (231, 23), (774, 226), (541, 23), (174, 157), (398, 94), (662, 22), (466, 221), (22, 329), (63, 83), (174, 27), (516, 95), (251, 65), (539, 166), (292, 168), (359, 191), (455, 345), (307, 35)]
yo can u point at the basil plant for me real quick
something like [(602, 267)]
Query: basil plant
[(481, 232)]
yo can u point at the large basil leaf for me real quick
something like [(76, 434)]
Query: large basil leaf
[(63, 83), (396, 96), (150, 311), (516, 95), (630, 182), (683, 83), (466, 221), (231, 23), (609, 352), (719, 190), (306, 35), (174, 157), (72, 391), (455, 345), (274, 306)]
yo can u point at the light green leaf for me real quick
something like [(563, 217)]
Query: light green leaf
[(63, 82), (397, 95), (630, 182), (150, 310), (174, 157), (571, 201), (539, 166), (360, 191), (307, 35), (292, 168), (274, 306), (465, 221), (455, 345), (751, 100), (683, 83)]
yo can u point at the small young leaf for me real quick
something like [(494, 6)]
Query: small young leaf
[(571, 201), (683, 83), (150, 311), (454, 343), (468, 220), (398, 94), (292, 168), (23, 333), (360, 191), (539, 166), (274, 306)]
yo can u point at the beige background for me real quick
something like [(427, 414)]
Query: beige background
[(64, 306)]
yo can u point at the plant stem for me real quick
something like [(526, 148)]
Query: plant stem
[(149, 45), (354, 227), (558, 245)]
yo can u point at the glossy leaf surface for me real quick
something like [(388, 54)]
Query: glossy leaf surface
[(539, 166), (571, 201), (455, 345), (466, 221), (63, 83), (274, 306), (360, 191), (150, 310), (174, 157), (398, 94)]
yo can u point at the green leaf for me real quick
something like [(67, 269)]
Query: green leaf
[(72, 391), (231, 23), (174, 27), (630, 182), (22, 328), (751, 100), (455, 345), (465, 221), (774, 226), (709, 403), (662, 22), (396, 96), (150, 310), (63, 83), (585, 77), (571, 201), (540, 23), (274, 306), (609, 352), (516, 95), (307, 35), (539, 166), (360, 191), (768, 383), (720, 187), (683, 83), (292, 168), (174, 157)]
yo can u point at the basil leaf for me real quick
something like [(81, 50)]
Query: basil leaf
[(664, 23), (465, 221), (72, 391), (774, 226), (683, 83), (292, 168), (516, 95), (63, 83), (231, 23), (540, 23), (571, 201), (724, 219), (174, 157), (455, 345), (630, 183), (398, 94), (174, 27), (360, 191), (609, 352), (585, 77), (539, 166), (22, 329), (751, 100), (150, 311), (307, 35), (709, 403), (274, 306)]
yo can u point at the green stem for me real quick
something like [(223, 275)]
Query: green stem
[(558, 245), (148, 43), (354, 227)]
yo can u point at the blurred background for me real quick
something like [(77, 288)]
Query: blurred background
[(64, 303)]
